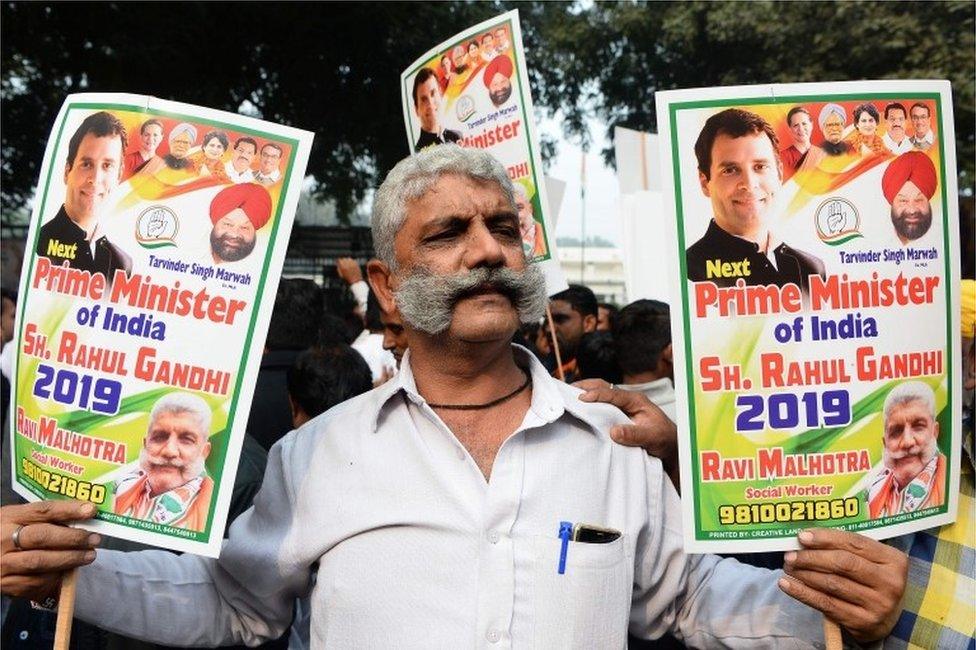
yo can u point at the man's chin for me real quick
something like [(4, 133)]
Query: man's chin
[(906, 470), (165, 481)]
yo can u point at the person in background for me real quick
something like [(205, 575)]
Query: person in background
[(642, 342), (350, 272), (297, 308), (394, 336), (606, 314), (574, 313), (595, 358), (370, 344), (322, 378)]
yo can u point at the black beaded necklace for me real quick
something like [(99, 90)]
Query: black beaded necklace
[(494, 402)]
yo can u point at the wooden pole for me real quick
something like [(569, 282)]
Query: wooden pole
[(66, 610), (555, 345), (832, 636)]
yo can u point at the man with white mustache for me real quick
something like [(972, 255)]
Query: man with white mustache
[(914, 471), (434, 511), (170, 485)]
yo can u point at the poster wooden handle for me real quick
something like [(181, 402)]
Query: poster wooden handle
[(832, 635), (555, 345), (66, 610)]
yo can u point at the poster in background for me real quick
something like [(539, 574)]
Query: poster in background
[(809, 296), (646, 254), (152, 265), (473, 90)]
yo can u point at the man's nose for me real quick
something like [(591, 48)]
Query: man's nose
[(170, 449), (750, 179), (483, 248), (906, 438)]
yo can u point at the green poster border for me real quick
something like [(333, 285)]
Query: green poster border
[(673, 109), (204, 535), (522, 83)]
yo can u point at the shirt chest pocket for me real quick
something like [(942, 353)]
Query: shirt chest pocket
[(588, 606)]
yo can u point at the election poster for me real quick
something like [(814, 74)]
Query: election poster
[(473, 90), (816, 280), (153, 257)]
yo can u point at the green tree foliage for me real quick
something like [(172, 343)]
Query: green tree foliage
[(331, 68), (610, 59), (334, 68)]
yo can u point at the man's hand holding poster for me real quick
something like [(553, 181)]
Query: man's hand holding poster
[(158, 237), (816, 237)]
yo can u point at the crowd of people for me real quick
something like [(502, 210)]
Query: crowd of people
[(405, 468)]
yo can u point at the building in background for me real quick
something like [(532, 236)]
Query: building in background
[(598, 265)]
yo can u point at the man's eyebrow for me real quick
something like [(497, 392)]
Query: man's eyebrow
[(448, 221), (502, 215)]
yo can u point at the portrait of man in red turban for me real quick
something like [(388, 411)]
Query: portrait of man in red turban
[(237, 213), (909, 184)]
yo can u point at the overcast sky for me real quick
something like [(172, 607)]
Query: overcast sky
[(602, 191)]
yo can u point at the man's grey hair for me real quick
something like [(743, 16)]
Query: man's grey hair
[(910, 391), (827, 110), (180, 128), (412, 177), (180, 403), (519, 189)]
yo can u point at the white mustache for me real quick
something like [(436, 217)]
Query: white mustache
[(905, 454), (178, 464)]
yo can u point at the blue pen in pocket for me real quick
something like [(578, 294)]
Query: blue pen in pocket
[(565, 531)]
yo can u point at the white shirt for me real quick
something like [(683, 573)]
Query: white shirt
[(370, 347), (360, 291), (416, 550), (245, 176), (660, 392), (897, 149), (267, 179), (924, 142)]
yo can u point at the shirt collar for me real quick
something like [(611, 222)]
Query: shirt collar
[(79, 232), (551, 398)]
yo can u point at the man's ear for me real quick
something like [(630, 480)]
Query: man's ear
[(668, 354), (206, 450), (67, 168), (589, 323), (665, 363), (380, 282), (704, 184)]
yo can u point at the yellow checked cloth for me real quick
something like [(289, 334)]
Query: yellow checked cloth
[(940, 597)]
